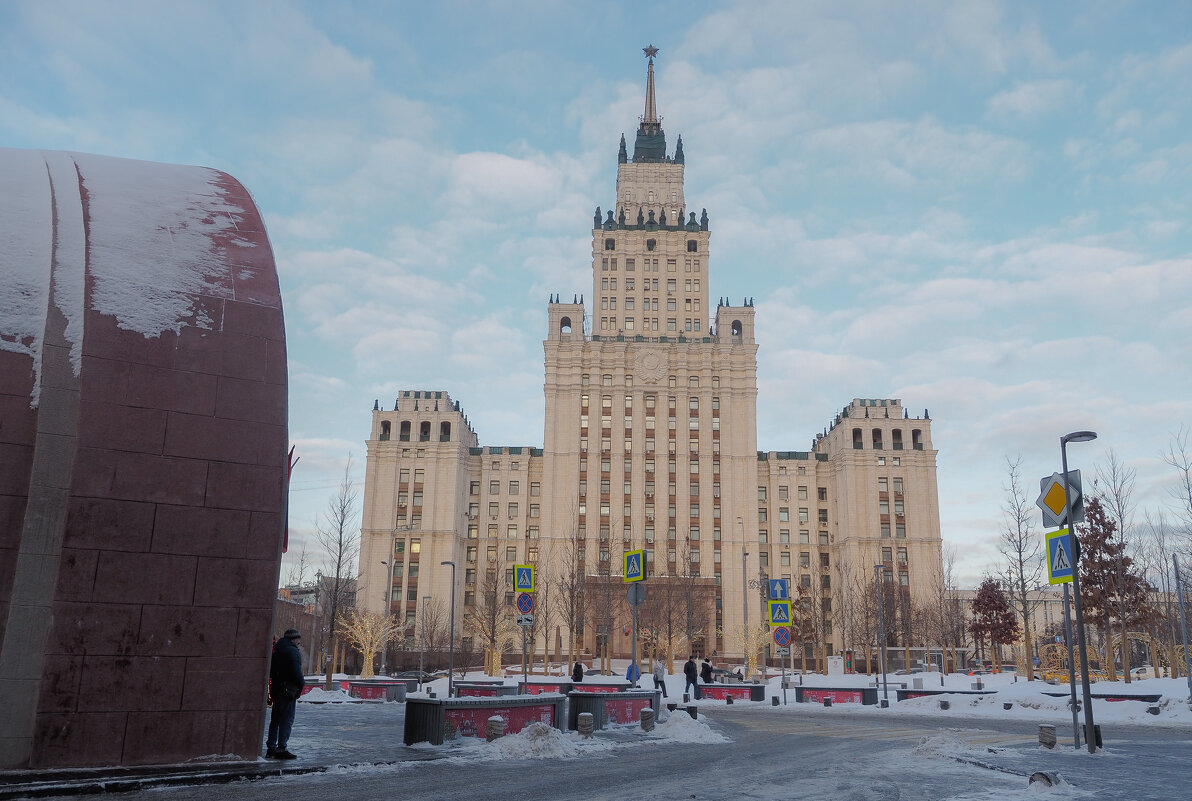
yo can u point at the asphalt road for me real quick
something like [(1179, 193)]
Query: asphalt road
[(772, 754)]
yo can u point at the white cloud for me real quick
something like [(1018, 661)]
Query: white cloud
[(1034, 99)]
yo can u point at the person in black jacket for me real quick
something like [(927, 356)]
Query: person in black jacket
[(705, 671), (691, 673), (285, 677), (577, 673)]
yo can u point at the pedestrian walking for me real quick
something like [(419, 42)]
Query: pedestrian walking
[(633, 674), (577, 673), (660, 677), (705, 671), (691, 674), (285, 676)]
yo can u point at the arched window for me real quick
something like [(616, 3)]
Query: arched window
[(610, 244), (424, 431), (565, 325), (444, 431), (877, 439), (917, 439), (404, 436), (737, 328), (857, 443), (896, 436), (692, 246), (385, 429)]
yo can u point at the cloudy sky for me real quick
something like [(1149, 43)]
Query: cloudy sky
[(981, 208)]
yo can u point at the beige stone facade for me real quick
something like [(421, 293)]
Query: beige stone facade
[(650, 443)]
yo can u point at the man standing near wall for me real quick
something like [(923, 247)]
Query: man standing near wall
[(285, 675)]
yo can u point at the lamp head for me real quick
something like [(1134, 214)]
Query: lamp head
[(1078, 436), (448, 563)]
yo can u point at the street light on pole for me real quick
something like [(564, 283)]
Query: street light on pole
[(387, 608), (881, 632), (744, 594), (422, 639), (451, 651), (1090, 733)]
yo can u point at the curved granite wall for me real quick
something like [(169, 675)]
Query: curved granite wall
[(142, 461)]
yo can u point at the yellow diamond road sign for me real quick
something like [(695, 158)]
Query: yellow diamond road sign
[(1051, 499)]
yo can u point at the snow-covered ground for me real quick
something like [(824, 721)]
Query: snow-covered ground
[(1030, 700)]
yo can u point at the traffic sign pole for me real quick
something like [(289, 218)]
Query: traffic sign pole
[(1090, 737)]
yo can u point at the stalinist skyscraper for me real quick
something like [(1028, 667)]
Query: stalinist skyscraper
[(650, 443)]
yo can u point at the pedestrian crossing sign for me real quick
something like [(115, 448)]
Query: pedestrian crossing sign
[(1061, 562), (635, 566), (780, 613), (523, 578)]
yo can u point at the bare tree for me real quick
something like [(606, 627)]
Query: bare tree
[(1023, 551), (1114, 485), (490, 620), (1179, 456), (695, 598), (1155, 559), (300, 571), (338, 536), (569, 586), (605, 603)]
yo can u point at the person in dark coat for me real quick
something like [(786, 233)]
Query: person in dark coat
[(705, 671), (286, 681), (577, 673), (691, 673)]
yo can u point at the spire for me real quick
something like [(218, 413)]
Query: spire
[(651, 115), (651, 141)]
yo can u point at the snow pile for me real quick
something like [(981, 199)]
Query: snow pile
[(681, 728), (321, 696), (536, 741)]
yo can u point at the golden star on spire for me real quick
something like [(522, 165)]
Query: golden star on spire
[(650, 51)]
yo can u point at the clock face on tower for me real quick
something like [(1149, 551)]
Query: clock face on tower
[(649, 366)]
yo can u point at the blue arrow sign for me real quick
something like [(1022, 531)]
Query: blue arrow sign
[(1060, 562), (779, 590)]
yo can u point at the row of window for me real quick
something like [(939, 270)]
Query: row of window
[(650, 324), (784, 492), (424, 431), (494, 487), (784, 515), (876, 439), (606, 380), (651, 285)]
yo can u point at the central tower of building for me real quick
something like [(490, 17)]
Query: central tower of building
[(650, 416)]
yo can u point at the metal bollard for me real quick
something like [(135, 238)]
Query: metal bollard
[(945, 704), (728, 699), (585, 724), (1046, 735), (774, 700), (827, 702), (1008, 705), (647, 719), (686, 697), (496, 728)]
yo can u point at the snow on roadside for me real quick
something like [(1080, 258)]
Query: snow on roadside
[(682, 728), (535, 741), (321, 696)]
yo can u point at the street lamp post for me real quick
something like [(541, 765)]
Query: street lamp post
[(422, 640), (881, 632), (387, 608), (744, 594), (451, 635), (1086, 693)]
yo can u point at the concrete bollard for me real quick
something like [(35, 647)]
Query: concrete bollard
[(945, 704), (1046, 735), (496, 728), (585, 724), (884, 703), (1152, 710), (1008, 705), (647, 719)]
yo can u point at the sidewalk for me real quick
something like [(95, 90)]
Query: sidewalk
[(324, 735)]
